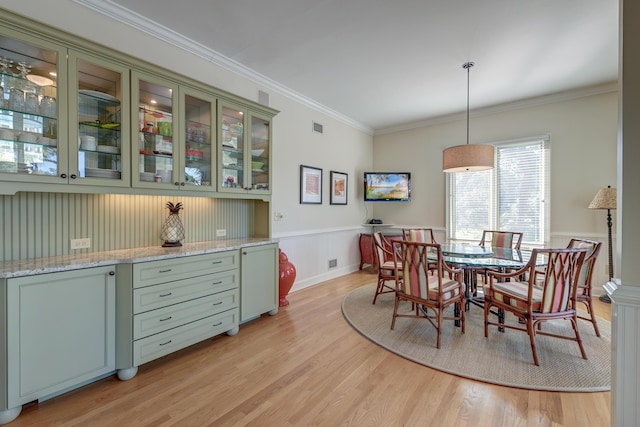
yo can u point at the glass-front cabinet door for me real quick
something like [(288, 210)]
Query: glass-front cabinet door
[(199, 160), (260, 140), (155, 163), (99, 148), (245, 151), (232, 148), (32, 144)]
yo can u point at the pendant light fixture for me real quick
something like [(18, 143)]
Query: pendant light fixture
[(468, 157)]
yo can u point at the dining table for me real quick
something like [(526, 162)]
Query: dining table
[(471, 258)]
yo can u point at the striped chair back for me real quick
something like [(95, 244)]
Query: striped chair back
[(501, 239), (422, 235), (560, 277), (593, 248), (422, 272)]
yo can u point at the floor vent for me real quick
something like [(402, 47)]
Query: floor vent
[(317, 127)]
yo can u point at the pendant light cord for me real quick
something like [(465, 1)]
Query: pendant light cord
[(467, 66)]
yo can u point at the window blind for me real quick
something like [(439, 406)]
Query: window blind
[(510, 197)]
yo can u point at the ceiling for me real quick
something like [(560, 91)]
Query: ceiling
[(383, 64)]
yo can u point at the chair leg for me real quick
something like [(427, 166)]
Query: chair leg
[(440, 316), (487, 309), (395, 311), (532, 338), (593, 316), (574, 323), (378, 290)]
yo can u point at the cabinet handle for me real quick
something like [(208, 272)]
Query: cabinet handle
[(218, 324), (216, 262), (165, 343), (164, 271), (63, 175), (165, 295), (182, 184), (112, 273), (176, 183), (217, 283), (217, 303), (165, 319), (74, 176)]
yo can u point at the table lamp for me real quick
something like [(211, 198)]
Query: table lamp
[(606, 198)]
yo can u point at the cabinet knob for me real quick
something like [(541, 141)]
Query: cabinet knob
[(112, 273), (74, 176), (244, 253), (176, 183), (63, 175), (182, 184)]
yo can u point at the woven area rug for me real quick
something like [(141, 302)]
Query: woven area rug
[(502, 358)]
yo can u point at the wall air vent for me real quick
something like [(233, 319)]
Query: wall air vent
[(317, 127), (263, 98)]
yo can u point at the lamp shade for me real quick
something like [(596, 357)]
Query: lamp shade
[(605, 199), (468, 158)]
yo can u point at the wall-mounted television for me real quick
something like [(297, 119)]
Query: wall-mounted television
[(387, 186)]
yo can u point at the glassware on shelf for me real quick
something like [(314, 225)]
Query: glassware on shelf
[(5, 63), (23, 68), (16, 99), (48, 106)]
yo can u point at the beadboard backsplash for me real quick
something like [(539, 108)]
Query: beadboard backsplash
[(35, 225)]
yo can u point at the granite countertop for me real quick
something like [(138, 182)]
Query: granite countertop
[(29, 267)]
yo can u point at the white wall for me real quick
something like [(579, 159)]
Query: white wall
[(583, 135)]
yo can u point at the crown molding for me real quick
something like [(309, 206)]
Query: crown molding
[(508, 106), (143, 24)]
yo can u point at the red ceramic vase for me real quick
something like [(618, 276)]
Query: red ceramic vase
[(287, 277)]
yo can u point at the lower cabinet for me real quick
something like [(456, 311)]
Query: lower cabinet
[(259, 281), (167, 305), (59, 334)]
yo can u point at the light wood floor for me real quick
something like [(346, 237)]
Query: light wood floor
[(307, 367)]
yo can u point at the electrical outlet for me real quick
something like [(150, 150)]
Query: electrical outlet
[(81, 243), (333, 263), (221, 232)]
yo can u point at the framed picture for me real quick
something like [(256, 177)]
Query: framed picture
[(339, 183), (310, 185)]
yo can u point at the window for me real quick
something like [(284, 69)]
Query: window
[(510, 197)]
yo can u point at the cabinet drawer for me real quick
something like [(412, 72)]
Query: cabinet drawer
[(159, 345), (153, 272), (162, 319), (153, 297)]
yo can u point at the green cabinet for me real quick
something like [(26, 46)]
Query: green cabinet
[(82, 118), (245, 150), (259, 281), (59, 333)]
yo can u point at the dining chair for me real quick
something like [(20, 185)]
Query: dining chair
[(554, 297), (424, 235), (584, 293), (430, 294), (501, 239), (385, 262)]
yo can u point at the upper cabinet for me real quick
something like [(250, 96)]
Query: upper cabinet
[(99, 143), (156, 161), (30, 102), (83, 118), (245, 143)]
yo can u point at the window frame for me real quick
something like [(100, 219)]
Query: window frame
[(493, 192)]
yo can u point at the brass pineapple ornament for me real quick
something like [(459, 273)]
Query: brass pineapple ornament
[(172, 229)]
